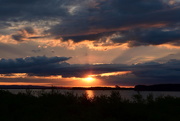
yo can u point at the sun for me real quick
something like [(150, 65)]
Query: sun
[(89, 79)]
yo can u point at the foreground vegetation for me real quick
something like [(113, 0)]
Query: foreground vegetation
[(55, 106)]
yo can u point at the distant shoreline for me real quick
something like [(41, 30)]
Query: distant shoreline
[(157, 87), (54, 87)]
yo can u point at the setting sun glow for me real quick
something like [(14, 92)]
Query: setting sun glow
[(89, 79)]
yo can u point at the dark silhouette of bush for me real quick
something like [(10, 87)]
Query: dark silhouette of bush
[(56, 106)]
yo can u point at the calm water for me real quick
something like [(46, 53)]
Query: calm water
[(91, 93)]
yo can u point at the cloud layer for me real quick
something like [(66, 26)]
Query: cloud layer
[(139, 22), (144, 73), (8, 65)]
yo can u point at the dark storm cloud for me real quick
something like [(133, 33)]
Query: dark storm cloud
[(170, 70), (134, 7), (17, 11), (113, 16), (28, 62), (47, 66), (148, 74), (156, 73), (30, 9), (93, 20), (89, 37), (151, 36)]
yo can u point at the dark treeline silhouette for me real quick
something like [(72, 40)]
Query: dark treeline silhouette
[(56, 106), (56, 87), (158, 87)]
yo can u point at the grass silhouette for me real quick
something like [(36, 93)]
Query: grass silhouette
[(55, 106)]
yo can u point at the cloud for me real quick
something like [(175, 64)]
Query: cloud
[(47, 66), (167, 71), (29, 30), (146, 54), (148, 74), (24, 34), (113, 17), (151, 36), (90, 37), (18, 37), (28, 62), (174, 56), (142, 73), (139, 24), (27, 10)]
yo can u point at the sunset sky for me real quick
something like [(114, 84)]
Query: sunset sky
[(89, 42)]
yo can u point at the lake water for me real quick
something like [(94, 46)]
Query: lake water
[(91, 93)]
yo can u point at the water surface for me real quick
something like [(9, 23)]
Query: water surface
[(91, 93)]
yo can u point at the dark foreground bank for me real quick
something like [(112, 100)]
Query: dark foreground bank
[(55, 106)]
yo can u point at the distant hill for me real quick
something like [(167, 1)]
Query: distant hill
[(158, 87)]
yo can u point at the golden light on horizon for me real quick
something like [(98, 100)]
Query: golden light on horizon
[(89, 79)]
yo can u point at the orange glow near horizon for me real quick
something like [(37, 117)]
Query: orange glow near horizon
[(89, 79)]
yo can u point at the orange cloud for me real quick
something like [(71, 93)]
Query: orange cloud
[(7, 39), (112, 73), (25, 75), (169, 46), (24, 83)]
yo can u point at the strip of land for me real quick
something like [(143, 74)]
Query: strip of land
[(157, 87)]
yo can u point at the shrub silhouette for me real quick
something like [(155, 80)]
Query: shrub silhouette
[(56, 106)]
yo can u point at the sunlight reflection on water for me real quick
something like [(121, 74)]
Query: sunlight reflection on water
[(91, 93)]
